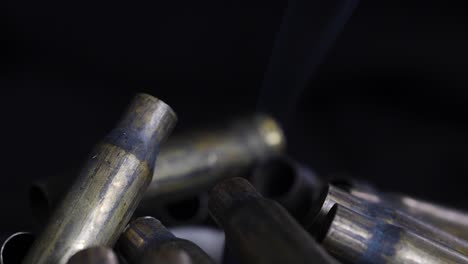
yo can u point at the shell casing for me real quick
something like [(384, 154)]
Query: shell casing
[(292, 185), (196, 161), (14, 246), (187, 164), (145, 239), (259, 230), (104, 196), (333, 195), (167, 254), (354, 238), (448, 219), (94, 255)]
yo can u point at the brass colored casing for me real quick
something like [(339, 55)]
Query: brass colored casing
[(258, 230), (13, 246), (448, 219), (188, 164), (333, 195), (146, 240), (193, 162), (94, 255), (354, 238), (104, 196)]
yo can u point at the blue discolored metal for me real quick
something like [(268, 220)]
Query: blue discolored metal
[(382, 244)]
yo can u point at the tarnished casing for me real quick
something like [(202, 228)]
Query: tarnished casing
[(258, 230), (94, 255), (450, 220), (354, 238), (193, 162), (167, 254), (188, 164), (333, 195), (107, 191), (13, 246), (146, 240)]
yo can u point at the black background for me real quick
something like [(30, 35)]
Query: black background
[(388, 104)]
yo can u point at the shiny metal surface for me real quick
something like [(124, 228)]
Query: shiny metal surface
[(354, 238), (448, 219), (107, 191), (187, 164), (192, 162), (389, 215), (15, 246), (94, 255), (146, 238), (258, 230)]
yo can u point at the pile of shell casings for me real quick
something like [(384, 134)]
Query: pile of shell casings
[(221, 195)]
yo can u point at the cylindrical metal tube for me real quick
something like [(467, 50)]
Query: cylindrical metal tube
[(354, 238), (448, 219), (259, 230), (355, 186), (292, 185), (194, 162), (15, 246), (167, 255), (333, 195), (146, 238), (94, 255), (189, 163), (110, 186)]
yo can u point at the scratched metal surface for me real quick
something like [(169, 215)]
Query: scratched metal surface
[(112, 182), (355, 238)]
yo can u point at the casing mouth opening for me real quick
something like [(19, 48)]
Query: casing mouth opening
[(275, 178), (15, 247)]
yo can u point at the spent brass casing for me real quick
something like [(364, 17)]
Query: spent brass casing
[(188, 163), (291, 184), (448, 219), (167, 255), (193, 162), (259, 230), (94, 255), (107, 191), (353, 185), (15, 246), (333, 195), (354, 238), (146, 240)]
